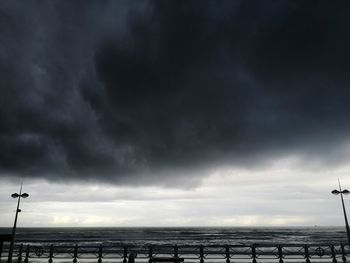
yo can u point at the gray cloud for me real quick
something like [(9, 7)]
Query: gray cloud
[(141, 92)]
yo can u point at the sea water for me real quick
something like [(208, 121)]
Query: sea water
[(182, 235)]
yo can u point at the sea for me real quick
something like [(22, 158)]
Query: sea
[(181, 235)]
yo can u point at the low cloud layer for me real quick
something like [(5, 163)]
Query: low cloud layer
[(144, 91), (281, 195)]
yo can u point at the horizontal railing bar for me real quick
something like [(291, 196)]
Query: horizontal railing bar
[(49, 242)]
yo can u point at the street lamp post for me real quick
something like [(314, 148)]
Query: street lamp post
[(345, 192), (15, 195)]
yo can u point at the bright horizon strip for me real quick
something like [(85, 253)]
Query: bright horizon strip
[(279, 195)]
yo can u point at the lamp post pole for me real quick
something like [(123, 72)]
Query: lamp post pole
[(341, 192), (13, 236)]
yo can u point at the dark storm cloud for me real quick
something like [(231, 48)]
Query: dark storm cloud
[(125, 92)]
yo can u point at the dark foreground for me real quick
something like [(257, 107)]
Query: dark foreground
[(161, 253), (282, 245)]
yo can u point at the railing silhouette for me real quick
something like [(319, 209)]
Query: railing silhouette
[(255, 253)]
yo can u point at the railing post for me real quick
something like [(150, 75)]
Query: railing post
[(125, 254), (51, 254), (176, 253), (132, 257), (201, 254), (306, 254), (100, 254), (20, 253), (1, 247), (253, 247), (280, 254), (343, 252), (75, 255), (227, 254), (333, 255), (150, 254), (26, 259)]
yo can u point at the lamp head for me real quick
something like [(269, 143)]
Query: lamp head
[(346, 192), (15, 195), (24, 195), (335, 192)]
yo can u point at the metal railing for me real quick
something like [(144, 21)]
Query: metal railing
[(254, 253)]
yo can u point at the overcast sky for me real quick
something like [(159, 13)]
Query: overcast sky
[(188, 113)]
